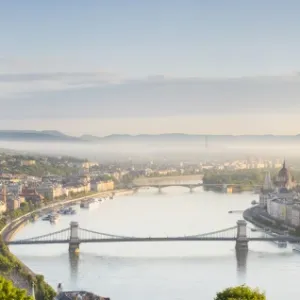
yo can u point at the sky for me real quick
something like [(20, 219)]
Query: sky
[(124, 66)]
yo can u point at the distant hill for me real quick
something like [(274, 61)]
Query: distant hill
[(32, 135), (57, 136)]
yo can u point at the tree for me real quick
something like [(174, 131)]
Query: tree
[(240, 293), (9, 292)]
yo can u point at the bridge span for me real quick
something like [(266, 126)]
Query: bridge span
[(74, 236), (191, 186)]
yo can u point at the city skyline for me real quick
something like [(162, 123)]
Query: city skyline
[(121, 67)]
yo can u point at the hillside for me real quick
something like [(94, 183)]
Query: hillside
[(56, 136)]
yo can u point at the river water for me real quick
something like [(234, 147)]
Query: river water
[(170, 270)]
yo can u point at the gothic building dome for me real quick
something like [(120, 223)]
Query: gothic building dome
[(284, 178)]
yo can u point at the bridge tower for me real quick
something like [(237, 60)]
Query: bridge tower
[(241, 239), (74, 238)]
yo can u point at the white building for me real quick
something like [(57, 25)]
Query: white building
[(295, 220), (267, 191)]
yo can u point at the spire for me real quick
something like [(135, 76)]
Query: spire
[(268, 185), (283, 165)]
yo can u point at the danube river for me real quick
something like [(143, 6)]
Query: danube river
[(164, 271)]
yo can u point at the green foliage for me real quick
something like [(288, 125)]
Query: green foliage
[(9, 292), (5, 264), (43, 291), (240, 293), (40, 169), (25, 208), (253, 176), (8, 263)]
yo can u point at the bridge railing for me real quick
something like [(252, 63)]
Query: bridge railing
[(85, 234), (60, 235)]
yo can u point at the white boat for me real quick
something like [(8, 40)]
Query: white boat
[(296, 247)]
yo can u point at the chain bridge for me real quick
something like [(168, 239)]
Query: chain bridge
[(74, 236)]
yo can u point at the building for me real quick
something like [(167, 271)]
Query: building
[(283, 203), (102, 186), (27, 162), (295, 219), (266, 191), (31, 195), (14, 202), (50, 191), (3, 204), (14, 188), (278, 209), (284, 179)]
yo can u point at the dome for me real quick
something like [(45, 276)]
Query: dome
[(284, 173), (284, 178)]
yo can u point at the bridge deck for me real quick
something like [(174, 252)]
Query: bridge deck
[(156, 239)]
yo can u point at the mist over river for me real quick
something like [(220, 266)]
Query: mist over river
[(164, 271)]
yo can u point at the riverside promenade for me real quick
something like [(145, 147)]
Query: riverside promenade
[(12, 227), (259, 217)]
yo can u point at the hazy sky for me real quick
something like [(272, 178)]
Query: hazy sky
[(127, 66)]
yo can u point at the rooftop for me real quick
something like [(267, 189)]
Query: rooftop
[(83, 295)]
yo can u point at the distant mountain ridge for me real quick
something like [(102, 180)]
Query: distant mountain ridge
[(57, 136)]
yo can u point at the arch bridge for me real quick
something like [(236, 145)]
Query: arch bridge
[(192, 186), (74, 236)]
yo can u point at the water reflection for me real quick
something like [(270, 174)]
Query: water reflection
[(241, 263), (73, 262)]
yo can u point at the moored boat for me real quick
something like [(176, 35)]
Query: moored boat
[(84, 204), (296, 247)]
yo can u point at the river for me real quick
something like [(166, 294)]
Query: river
[(163, 271)]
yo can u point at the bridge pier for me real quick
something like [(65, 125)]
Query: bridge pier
[(74, 238), (241, 239), (191, 189), (159, 189)]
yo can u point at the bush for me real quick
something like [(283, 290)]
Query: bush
[(9, 291), (240, 293)]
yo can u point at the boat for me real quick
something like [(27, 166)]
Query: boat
[(50, 217), (296, 247), (254, 202), (68, 211), (84, 204), (46, 218)]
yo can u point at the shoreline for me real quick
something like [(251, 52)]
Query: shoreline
[(249, 216), (11, 228), (8, 232)]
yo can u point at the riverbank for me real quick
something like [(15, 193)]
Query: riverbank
[(8, 231), (163, 179), (258, 217), (17, 271)]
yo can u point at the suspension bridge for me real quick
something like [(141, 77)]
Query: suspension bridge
[(74, 236)]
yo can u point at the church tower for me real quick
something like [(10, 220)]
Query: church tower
[(266, 190)]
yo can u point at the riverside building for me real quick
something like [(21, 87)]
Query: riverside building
[(280, 200)]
